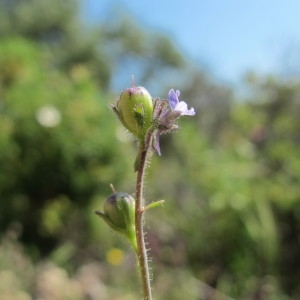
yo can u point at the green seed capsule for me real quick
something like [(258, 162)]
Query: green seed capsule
[(119, 208), (135, 110), (119, 214)]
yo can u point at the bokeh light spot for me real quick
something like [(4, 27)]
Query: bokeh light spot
[(115, 256)]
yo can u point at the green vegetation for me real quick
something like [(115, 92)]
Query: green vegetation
[(230, 177)]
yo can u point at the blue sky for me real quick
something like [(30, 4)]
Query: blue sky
[(229, 37)]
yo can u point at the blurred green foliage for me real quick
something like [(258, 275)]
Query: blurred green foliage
[(57, 143), (230, 176)]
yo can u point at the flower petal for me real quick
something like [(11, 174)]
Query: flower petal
[(183, 109), (155, 143), (173, 98), (181, 106), (190, 112)]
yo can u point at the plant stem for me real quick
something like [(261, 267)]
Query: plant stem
[(139, 218)]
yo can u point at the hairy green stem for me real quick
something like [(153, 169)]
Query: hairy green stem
[(139, 217)]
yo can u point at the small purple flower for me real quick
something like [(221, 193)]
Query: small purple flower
[(179, 106), (177, 109), (166, 116)]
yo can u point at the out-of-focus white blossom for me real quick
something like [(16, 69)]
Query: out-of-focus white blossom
[(48, 116)]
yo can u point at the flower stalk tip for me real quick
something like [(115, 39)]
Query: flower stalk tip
[(146, 119)]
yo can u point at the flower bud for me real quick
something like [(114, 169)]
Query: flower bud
[(135, 110), (119, 214)]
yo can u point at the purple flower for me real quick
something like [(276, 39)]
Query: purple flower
[(179, 106), (166, 116)]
